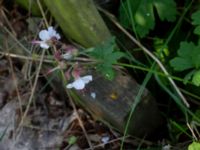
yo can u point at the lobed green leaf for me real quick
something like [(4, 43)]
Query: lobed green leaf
[(106, 55), (196, 21)]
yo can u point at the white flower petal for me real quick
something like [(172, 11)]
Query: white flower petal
[(50, 29), (44, 45), (86, 79), (105, 139), (93, 95), (52, 33), (44, 35), (79, 84), (69, 86), (57, 36), (166, 147)]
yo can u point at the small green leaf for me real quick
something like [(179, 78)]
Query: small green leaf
[(115, 56), (196, 21), (125, 8), (166, 9), (197, 30), (144, 19), (186, 58), (188, 76), (140, 14), (195, 18), (194, 146), (181, 64), (108, 73), (185, 49), (72, 140), (196, 78), (107, 55), (161, 50)]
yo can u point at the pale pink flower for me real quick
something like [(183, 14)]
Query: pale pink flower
[(46, 37)]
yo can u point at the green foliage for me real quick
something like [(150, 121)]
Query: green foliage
[(197, 115), (139, 13), (177, 129), (72, 140), (196, 78), (194, 146), (189, 55), (184, 59), (106, 54), (196, 22), (188, 58), (161, 50)]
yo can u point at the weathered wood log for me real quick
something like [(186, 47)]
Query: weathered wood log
[(113, 102), (79, 20), (113, 98)]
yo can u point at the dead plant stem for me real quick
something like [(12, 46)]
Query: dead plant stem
[(80, 121), (15, 81), (33, 88), (26, 57)]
